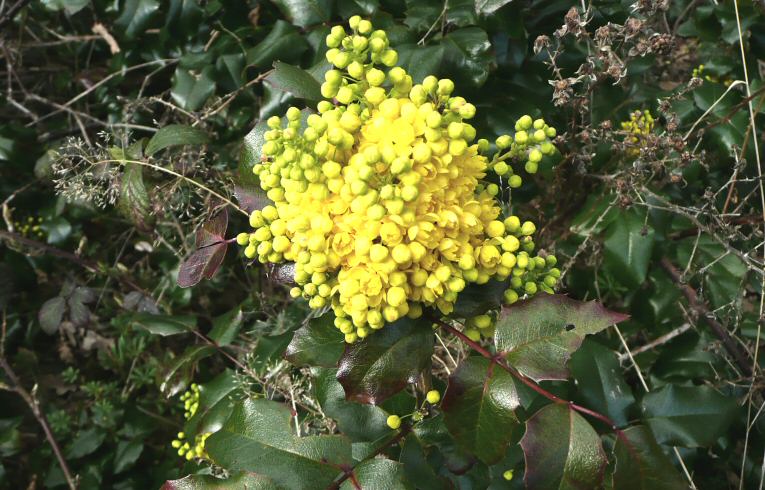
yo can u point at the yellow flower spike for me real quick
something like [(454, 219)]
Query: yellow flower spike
[(380, 198)]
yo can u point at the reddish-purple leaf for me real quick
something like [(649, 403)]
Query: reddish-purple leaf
[(214, 230), (538, 336), (203, 263), (250, 197)]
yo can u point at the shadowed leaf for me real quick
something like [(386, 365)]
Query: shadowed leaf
[(164, 325), (51, 314), (642, 465), (539, 335), (294, 80), (562, 450), (175, 135), (375, 368), (479, 407), (378, 473), (214, 404), (319, 343), (258, 437), (211, 250), (238, 481)]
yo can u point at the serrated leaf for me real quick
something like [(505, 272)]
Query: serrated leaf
[(477, 299), (226, 327), (250, 154), (164, 325), (214, 404), (211, 250), (134, 201), (284, 42), (237, 481), (642, 465), (175, 135), (689, 416), (562, 450), (479, 408), (51, 313), (319, 343), (258, 438), (467, 54), (627, 247), (378, 473), (191, 89), (358, 421), (294, 80), (600, 381), (305, 13), (381, 365), (539, 335)]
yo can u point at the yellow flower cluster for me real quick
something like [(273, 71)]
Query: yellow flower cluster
[(638, 127), (190, 401), (382, 199), (30, 227), (698, 72), (191, 450), (186, 448)]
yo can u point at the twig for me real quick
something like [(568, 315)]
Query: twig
[(348, 472), (12, 11), (100, 29), (34, 406), (739, 355), (657, 342)]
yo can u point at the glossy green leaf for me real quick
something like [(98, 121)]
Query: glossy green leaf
[(486, 7), (539, 335), (690, 416), (175, 135), (627, 248), (479, 407), (171, 384), (562, 450), (378, 473), (216, 398), (477, 299), (467, 55), (237, 481), (86, 442), (724, 274), (600, 381), (250, 155), (358, 421), (191, 89), (134, 201), (164, 325), (642, 465), (136, 15), (226, 327), (294, 80), (284, 42), (382, 364), (319, 343), (258, 437), (420, 61), (305, 13)]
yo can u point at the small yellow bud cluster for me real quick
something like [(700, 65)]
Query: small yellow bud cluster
[(190, 400), (29, 227), (638, 128), (190, 450), (698, 72), (531, 142), (379, 198)]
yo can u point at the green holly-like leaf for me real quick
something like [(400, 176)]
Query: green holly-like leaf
[(284, 42), (294, 80), (378, 473), (599, 379), (467, 54), (176, 376), (479, 407), (486, 7), (175, 135), (164, 325), (627, 247), (238, 481), (358, 421), (562, 450), (134, 201), (538, 336), (319, 343), (381, 365), (258, 437), (191, 89), (477, 299), (215, 402), (642, 465), (689, 416), (227, 326)]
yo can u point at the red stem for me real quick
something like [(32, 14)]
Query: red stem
[(499, 360)]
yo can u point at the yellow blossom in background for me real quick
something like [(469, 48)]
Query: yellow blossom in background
[(639, 126), (381, 199)]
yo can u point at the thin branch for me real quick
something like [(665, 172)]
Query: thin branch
[(734, 349)]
